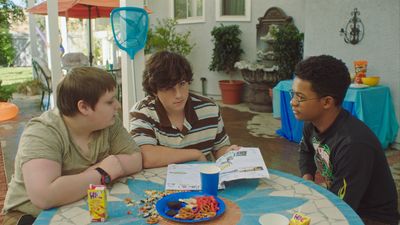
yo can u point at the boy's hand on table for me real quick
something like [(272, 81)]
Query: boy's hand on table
[(232, 148), (308, 176)]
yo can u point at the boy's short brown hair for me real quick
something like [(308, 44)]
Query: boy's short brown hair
[(82, 83), (164, 70)]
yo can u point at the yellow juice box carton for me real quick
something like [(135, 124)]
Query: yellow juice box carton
[(299, 219), (97, 201)]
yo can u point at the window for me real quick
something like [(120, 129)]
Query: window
[(233, 10), (187, 11)]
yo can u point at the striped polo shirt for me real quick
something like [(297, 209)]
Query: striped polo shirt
[(203, 128)]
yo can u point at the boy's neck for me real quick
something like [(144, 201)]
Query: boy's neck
[(77, 127), (176, 115), (326, 120)]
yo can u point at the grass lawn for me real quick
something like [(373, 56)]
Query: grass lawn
[(12, 75)]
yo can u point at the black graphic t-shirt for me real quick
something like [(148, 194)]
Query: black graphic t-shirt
[(350, 158)]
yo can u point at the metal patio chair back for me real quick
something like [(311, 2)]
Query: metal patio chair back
[(43, 73)]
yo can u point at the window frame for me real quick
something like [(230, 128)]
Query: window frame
[(245, 18), (197, 19)]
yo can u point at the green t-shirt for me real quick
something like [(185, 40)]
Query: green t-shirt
[(47, 137)]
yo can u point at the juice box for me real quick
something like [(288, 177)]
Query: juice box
[(300, 219), (97, 201)]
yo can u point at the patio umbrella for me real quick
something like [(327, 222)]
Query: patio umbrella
[(82, 9)]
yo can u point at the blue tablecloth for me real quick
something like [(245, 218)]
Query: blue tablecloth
[(372, 105)]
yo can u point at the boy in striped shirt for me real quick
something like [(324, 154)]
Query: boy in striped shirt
[(172, 125)]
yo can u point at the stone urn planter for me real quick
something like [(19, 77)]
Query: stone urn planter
[(260, 80)]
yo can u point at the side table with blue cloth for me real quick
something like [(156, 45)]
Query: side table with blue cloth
[(372, 105)]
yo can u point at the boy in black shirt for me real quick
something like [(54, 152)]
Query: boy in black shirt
[(342, 148)]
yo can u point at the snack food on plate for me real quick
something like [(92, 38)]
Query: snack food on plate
[(197, 208)]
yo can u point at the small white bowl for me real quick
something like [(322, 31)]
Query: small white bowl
[(273, 219)]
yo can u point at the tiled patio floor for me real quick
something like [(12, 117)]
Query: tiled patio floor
[(244, 127)]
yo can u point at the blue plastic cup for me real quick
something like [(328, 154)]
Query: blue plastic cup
[(209, 179)]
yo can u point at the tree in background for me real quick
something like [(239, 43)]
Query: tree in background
[(9, 13), (288, 48), (165, 37), (227, 49)]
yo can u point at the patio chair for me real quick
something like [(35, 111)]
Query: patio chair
[(43, 73), (74, 59), (116, 74)]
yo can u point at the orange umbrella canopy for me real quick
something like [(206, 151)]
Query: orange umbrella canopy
[(79, 8), (82, 9)]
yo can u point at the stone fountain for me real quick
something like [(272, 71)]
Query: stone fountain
[(262, 75)]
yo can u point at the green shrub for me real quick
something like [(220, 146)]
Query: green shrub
[(6, 92), (29, 87), (288, 48), (227, 49), (9, 14), (7, 51), (165, 37)]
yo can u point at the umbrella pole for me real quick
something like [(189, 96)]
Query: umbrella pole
[(90, 37)]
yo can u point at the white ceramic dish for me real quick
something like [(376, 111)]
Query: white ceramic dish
[(273, 219), (358, 86)]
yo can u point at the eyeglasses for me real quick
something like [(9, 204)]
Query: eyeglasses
[(299, 97)]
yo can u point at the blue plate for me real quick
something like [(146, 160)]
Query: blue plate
[(162, 207)]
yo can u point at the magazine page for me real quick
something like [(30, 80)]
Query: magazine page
[(185, 177), (246, 163)]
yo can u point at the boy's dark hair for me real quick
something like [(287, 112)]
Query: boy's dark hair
[(328, 76), (82, 83), (164, 70)]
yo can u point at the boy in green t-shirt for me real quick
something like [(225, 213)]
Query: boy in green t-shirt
[(64, 150)]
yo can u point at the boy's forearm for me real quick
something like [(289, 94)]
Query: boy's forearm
[(220, 152), (158, 156), (307, 163), (67, 189), (130, 163)]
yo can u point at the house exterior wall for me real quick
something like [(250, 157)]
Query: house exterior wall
[(200, 57), (321, 22), (380, 46)]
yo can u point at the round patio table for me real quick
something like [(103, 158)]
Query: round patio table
[(246, 201)]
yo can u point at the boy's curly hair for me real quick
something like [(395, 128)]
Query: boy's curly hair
[(328, 76), (164, 70)]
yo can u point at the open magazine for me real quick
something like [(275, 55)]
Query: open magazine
[(246, 163)]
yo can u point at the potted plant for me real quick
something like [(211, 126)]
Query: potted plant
[(226, 52), (5, 92), (288, 48), (165, 37), (30, 87)]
